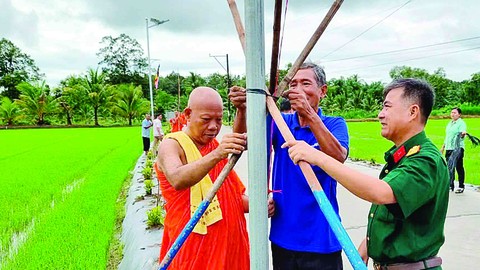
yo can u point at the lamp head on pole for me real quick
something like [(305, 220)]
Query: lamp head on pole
[(157, 22)]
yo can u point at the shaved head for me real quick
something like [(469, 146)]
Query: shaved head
[(205, 96), (204, 115)]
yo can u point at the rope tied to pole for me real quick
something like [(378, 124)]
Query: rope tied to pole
[(259, 91)]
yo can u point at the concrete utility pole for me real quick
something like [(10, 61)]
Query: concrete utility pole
[(155, 22), (229, 83), (257, 142), (178, 91)]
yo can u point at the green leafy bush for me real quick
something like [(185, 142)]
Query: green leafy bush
[(467, 109), (147, 173), (156, 217), (354, 114), (148, 186), (149, 164)]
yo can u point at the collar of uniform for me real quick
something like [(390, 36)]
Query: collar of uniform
[(296, 122), (395, 154)]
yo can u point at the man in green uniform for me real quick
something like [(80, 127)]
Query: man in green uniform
[(409, 201)]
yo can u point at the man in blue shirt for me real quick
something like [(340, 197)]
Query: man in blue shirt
[(146, 125), (300, 235)]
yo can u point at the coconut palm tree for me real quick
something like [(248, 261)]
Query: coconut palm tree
[(35, 100), (130, 102), (9, 111), (97, 91)]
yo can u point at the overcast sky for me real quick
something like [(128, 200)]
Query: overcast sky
[(63, 36)]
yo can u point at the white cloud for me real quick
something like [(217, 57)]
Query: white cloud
[(63, 36), (17, 23)]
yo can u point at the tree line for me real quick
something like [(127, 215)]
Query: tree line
[(117, 91)]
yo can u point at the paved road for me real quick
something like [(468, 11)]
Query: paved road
[(461, 249), (462, 232)]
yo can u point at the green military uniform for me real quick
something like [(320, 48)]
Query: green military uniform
[(410, 230)]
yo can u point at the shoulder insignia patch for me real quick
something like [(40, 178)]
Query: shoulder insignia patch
[(413, 150)]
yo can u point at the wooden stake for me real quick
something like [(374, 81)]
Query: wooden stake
[(275, 46), (238, 22), (308, 48)]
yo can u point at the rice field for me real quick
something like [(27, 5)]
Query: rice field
[(58, 189), (366, 143)]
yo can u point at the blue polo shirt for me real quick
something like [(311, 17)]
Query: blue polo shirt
[(298, 223), (146, 125)]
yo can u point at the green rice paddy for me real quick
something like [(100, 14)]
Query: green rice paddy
[(58, 189), (366, 143)]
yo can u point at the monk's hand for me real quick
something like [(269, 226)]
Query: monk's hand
[(233, 143), (271, 207), (238, 97), (300, 151)]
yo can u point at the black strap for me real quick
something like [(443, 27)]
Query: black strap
[(261, 92)]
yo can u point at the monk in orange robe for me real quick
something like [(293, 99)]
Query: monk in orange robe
[(173, 122), (178, 122), (189, 162)]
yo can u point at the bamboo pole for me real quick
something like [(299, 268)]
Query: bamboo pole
[(238, 22), (322, 200), (308, 48), (275, 46), (182, 237)]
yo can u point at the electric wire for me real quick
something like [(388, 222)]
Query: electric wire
[(368, 29), (401, 50), (406, 60)]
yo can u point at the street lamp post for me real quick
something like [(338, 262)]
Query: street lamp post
[(155, 22), (228, 80)]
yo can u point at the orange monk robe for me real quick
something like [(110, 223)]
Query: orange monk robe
[(178, 122), (225, 246), (173, 124)]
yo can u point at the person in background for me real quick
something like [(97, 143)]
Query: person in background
[(146, 125), (178, 122), (173, 122), (285, 106), (455, 148), (410, 198), (157, 132)]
